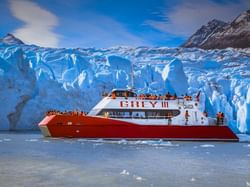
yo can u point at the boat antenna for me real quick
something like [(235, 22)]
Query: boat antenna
[(132, 76)]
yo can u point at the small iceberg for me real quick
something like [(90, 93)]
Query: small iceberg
[(207, 145), (31, 140), (124, 172)]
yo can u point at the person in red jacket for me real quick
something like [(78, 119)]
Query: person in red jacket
[(186, 116)]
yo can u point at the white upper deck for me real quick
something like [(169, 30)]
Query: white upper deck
[(127, 106)]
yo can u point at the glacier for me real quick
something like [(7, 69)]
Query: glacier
[(34, 79)]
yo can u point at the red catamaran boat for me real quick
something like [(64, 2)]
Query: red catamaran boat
[(124, 115)]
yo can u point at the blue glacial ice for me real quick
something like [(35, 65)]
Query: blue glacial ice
[(35, 79)]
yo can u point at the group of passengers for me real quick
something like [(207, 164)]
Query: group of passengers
[(69, 113), (168, 96)]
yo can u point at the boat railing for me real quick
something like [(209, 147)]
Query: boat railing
[(65, 113), (149, 98)]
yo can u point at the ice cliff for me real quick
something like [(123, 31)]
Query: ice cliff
[(35, 79)]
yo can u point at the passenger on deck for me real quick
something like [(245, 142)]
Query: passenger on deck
[(154, 97), (113, 96), (187, 97), (168, 96), (126, 95), (186, 117), (169, 117), (220, 118), (142, 96), (160, 97)]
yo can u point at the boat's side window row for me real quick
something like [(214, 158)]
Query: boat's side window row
[(139, 114)]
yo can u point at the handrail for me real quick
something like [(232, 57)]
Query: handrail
[(147, 98)]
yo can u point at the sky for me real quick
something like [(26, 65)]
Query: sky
[(108, 23)]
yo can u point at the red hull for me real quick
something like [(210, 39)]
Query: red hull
[(96, 127)]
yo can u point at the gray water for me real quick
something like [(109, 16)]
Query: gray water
[(28, 159)]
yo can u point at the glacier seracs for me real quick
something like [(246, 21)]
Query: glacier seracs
[(35, 79)]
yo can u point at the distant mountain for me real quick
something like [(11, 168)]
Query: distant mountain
[(204, 33), (218, 34), (11, 40)]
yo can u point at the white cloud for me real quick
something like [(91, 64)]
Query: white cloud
[(186, 18), (38, 23), (82, 29)]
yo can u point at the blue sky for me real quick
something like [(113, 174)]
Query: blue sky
[(107, 23)]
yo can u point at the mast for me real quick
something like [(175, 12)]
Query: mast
[(132, 76)]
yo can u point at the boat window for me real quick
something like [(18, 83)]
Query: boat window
[(120, 94), (162, 113), (124, 93), (131, 94), (140, 114)]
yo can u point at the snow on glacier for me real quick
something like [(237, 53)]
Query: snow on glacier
[(35, 79)]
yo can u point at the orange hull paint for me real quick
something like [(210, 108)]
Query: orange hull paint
[(99, 127)]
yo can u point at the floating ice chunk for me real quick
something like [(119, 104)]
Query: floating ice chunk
[(153, 143), (159, 143), (192, 179), (244, 137), (100, 140), (248, 184), (7, 139), (96, 141), (31, 140), (124, 172), (53, 138), (68, 141), (207, 145), (46, 141), (122, 142), (248, 145), (139, 178), (97, 144), (81, 140), (168, 144)]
